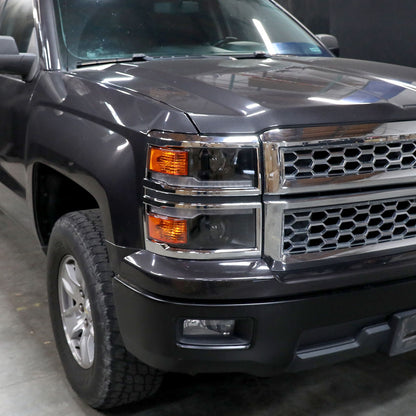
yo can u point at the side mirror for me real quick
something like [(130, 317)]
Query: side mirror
[(13, 62), (331, 42)]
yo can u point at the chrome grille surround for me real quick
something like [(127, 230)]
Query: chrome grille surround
[(339, 157), (367, 209), (308, 210)]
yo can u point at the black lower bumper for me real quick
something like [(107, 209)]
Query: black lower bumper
[(291, 333)]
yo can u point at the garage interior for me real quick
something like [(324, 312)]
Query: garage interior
[(32, 382)]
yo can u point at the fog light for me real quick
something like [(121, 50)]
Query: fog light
[(215, 333), (210, 327)]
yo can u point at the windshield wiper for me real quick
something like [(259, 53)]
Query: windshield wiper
[(136, 57), (254, 55), (140, 57)]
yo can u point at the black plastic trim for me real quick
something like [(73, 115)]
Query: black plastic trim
[(148, 325)]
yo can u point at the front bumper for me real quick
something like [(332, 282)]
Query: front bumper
[(289, 332)]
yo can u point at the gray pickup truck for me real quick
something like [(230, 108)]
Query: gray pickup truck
[(214, 189)]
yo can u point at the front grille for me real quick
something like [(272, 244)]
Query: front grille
[(317, 161), (346, 226)]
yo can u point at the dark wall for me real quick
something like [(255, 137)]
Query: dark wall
[(380, 30), (313, 12)]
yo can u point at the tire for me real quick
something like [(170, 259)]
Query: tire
[(99, 368)]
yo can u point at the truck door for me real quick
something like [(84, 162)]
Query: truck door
[(16, 20)]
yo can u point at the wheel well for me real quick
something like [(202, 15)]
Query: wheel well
[(53, 196)]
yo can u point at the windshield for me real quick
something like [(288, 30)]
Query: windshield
[(117, 29)]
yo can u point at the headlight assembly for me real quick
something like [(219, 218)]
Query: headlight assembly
[(217, 231), (224, 171), (190, 164)]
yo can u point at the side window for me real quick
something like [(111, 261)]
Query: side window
[(17, 20)]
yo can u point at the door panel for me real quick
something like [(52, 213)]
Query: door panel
[(16, 20)]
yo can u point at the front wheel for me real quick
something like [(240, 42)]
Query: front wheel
[(97, 365)]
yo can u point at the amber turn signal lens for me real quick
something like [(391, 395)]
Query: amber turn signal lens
[(168, 230), (168, 161)]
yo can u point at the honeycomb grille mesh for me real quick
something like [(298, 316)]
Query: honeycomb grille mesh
[(340, 227), (341, 160)]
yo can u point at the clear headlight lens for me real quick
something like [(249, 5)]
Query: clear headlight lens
[(203, 164), (205, 167)]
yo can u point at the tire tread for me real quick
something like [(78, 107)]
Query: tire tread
[(126, 379)]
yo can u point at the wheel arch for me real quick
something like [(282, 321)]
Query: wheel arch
[(55, 195), (71, 156)]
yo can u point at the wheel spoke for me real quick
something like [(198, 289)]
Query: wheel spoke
[(78, 278), (86, 346), (77, 326), (70, 287), (71, 311), (71, 271)]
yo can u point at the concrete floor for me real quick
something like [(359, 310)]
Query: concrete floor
[(32, 382)]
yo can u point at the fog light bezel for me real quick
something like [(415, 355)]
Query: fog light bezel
[(205, 326), (241, 338)]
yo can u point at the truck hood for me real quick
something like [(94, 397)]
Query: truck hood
[(228, 95)]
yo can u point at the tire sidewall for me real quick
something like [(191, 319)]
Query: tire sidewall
[(63, 242)]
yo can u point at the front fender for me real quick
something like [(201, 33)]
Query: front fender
[(96, 136), (98, 159)]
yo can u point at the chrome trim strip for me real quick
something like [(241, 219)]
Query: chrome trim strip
[(196, 141), (191, 186), (165, 250), (275, 141), (177, 187), (336, 132), (186, 210), (213, 347), (273, 223)]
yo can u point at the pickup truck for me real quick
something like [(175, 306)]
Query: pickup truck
[(214, 189)]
